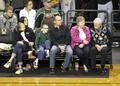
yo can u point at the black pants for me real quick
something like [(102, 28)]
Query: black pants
[(82, 53), (103, 55)]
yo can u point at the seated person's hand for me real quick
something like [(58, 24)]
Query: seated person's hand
[(81, 45), (98, 47), (85, 42), (31, 44), (103, 46), (20, 42), (62, 48)]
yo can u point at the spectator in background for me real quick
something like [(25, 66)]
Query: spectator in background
[(101, 43), (80, 41), (37, 4), (45, 15), (60, 39), (2, 5), (82, 5), (29, 13), (56, 4), (17, 4), (90, 16), (8, 20), (106, 5), (67, 5)]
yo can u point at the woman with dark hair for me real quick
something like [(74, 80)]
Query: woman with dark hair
[(23, 41)]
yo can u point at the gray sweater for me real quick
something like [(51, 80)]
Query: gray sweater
[(8, 23)]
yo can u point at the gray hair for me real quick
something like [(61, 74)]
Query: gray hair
[(98, 20)]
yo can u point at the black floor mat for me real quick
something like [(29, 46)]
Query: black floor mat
[(44, 72)]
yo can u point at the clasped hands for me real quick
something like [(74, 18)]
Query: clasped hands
[(85, 42)]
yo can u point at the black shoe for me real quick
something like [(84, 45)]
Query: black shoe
[(103, 71), (52, 71), (63, 69)]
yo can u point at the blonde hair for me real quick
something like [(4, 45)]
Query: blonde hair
[(19, 26), (80, 19)]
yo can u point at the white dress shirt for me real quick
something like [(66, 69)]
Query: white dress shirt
[(30, 16)]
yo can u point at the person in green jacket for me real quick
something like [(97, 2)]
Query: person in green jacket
[(42, 44)]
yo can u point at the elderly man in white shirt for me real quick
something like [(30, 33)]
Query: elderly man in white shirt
[(29, 12)]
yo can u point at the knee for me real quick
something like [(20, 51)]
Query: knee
[(20, 50), (53, 50), (69, 52), (18, 45), (41, 49)]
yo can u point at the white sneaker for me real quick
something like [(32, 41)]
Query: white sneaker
[(19, 71), (85, 68), (35, 64), (7, 65)]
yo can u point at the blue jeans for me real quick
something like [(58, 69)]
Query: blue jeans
[(54, 50), (19, 49), (41, 49)]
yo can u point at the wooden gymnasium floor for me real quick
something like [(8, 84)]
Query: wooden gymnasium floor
[(113, 80)]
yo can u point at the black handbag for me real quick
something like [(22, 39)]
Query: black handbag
[(5, 35)]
